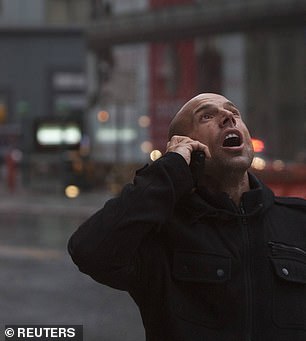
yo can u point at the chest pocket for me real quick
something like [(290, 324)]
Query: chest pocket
[(199, 286), (289, 286)]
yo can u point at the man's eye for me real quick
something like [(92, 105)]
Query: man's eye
[(206, 116)]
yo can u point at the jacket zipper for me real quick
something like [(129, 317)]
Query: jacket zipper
[(276, 247), (248, 277)]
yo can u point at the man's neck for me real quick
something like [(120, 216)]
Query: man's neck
[(234, 184)]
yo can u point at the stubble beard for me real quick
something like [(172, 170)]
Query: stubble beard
[(224, 165)]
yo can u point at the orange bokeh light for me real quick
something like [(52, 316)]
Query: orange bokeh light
[(103, 116), (258, 145)]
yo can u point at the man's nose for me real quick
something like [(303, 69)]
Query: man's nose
[(227, 119)]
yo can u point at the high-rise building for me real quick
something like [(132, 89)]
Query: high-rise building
[(119, 85), (43, 75), (275, 90), (43, 58), (257, 59)]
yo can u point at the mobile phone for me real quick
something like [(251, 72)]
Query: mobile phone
[(197, 164)]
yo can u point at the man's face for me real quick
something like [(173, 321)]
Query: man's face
[(217, 123)]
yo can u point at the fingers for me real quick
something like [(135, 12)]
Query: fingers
[(184, 146)]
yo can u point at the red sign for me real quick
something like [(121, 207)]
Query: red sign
[(173, 82), (177, 73)]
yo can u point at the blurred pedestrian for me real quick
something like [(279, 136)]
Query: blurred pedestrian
[(214, 258)]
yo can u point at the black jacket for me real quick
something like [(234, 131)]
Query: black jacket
[(198, 267)]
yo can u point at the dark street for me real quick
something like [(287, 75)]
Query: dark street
[(41, 285)]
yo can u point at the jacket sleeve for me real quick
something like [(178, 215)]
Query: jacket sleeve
[(106, 245)]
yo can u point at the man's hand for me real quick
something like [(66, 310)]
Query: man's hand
[(184, 146)]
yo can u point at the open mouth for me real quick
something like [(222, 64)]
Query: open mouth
[(232, 140)]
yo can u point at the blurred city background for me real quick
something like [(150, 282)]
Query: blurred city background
[(87, 89)]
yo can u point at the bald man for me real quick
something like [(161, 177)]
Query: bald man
[(224, 260)]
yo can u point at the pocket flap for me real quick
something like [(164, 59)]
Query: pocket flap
[(201, 267), (290, 269)]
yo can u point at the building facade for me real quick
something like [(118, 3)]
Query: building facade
[(275, 90), (43, 76), (42, 65), (259, 65), (128, 92), (119, 86)]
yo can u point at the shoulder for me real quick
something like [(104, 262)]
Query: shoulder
[(292, 202)]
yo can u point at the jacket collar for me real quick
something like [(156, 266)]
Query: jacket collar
[(253, 202)]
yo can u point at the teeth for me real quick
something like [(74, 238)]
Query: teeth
[(228, 136)]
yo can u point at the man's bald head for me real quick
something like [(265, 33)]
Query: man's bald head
[(182, 123)]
